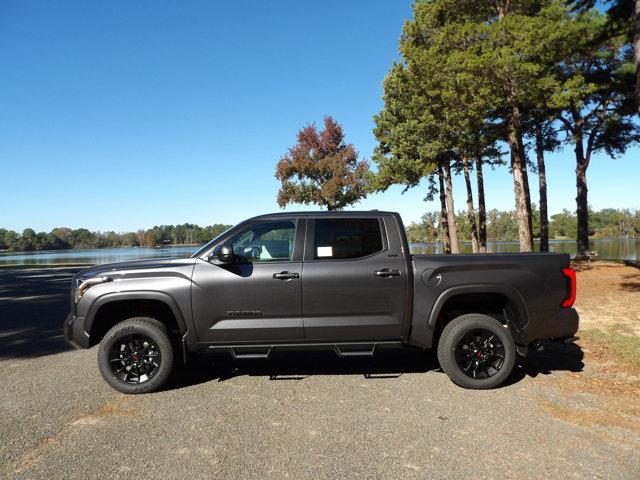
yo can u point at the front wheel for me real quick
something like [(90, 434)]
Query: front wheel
[(476, 351), (136, 355)]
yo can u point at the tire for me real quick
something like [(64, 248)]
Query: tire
[(136, 355), (476, 342)]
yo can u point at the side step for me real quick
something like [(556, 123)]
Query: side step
[(254, 353), (355, 350)]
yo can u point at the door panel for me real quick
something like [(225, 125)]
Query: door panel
[(258, 298), (344, 299), (245, 303)]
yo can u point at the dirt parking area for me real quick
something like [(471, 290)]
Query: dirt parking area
[(608, 296), (571, 411)]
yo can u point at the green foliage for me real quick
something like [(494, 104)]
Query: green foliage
[(503, 225), (426, 231), (563, 225), (597, 79), (500, 226), (422, 122), (611, 222), (474, 73), (403, 129), (65, 238)]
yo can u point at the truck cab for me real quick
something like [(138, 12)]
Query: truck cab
[(298, 278)]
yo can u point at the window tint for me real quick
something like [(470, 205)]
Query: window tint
[(265, 242), (336, 238)]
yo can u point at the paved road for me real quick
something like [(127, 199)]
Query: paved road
[(296, 416)]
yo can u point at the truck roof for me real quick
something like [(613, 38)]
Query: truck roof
[(323, 213)]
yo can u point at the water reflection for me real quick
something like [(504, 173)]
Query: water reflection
[(92, 256)]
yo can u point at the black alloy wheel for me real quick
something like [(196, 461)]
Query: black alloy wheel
[(477, 351), (134, 358), (137, 355), (480, 354)]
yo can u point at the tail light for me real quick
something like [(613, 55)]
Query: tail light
[(571, 291)]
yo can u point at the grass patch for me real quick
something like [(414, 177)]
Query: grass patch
[(619, 342)]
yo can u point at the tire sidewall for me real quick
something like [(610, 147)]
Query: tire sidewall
[(452, 334), (144, 326)]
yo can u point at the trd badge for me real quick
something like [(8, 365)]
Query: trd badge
[(244, 313)]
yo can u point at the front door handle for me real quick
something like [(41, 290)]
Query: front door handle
[(285, 275), (385, 272)]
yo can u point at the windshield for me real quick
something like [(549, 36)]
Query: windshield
[(209, 244)]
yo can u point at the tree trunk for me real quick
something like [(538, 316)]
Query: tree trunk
[(582, 205), (482, 209), (471, 212), (527, 194), (636, 53), (451, 213), (444, 223), (544, 218), (520, 182)]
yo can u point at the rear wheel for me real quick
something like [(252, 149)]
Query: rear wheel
[(136, 356), (476, 351)]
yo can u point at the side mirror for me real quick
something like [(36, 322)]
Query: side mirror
[(225, 254)]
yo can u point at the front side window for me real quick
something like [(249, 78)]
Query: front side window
[(265, 242), (343, 238)]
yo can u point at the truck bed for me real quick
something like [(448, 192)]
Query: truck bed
[(526, 288)]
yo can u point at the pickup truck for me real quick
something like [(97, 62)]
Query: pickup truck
[(345, 281)]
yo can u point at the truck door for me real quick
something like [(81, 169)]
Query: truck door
[(258, 297), (354, 282)]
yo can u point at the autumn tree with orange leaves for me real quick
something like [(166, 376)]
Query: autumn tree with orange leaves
[(321, 169)]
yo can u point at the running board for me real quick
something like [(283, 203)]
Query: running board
[(343, 350)]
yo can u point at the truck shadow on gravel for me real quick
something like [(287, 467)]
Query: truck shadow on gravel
[(555, 357), (33, 305), (384, 366)]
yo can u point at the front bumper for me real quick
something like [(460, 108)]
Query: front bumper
[(74, 331)]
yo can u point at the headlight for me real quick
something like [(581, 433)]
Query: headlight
[(82, 285)]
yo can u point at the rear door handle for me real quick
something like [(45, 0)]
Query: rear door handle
[(285, 275), (385, 272)]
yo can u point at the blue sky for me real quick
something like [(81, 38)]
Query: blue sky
[(126, 114)]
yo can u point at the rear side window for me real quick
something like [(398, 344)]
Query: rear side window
[(340, 238)]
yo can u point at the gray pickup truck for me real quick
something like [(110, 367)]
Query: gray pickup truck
[(338, 280)]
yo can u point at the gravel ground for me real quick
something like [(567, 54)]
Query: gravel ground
[(297, 415)]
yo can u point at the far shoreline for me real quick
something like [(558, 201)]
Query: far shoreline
[(195, 245)]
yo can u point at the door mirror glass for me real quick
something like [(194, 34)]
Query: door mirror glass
[(225, 254)]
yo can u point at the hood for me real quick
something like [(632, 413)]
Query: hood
[(131, 265)]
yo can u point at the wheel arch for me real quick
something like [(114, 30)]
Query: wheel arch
[(112, 308), (492, 299)]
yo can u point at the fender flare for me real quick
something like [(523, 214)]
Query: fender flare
[(518, 327), (135, 295)]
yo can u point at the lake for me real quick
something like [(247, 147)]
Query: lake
[(93, 255), (608, 249)]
